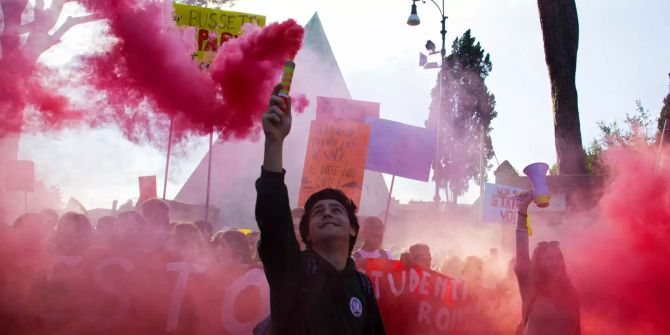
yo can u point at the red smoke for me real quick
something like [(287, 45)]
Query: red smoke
[(147, 77), (149, 71), (247, 69), (299, 103), (22, 81), (621, 266)]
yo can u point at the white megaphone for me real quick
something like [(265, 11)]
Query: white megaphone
[(537, 172)]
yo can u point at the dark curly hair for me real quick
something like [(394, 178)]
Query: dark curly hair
[(328, 194)]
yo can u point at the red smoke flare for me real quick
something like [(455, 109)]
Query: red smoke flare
[(247, 69), (151, 64), (621, 266)]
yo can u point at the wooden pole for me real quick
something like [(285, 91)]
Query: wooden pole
[(388, 201), (167, 160), (209, 173)]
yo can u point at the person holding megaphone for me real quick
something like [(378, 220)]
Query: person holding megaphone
[(550, 304)]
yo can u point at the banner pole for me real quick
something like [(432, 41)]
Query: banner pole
[(167, 160), (388, 201), (209, 173)]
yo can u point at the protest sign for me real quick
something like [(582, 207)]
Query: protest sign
[(401, 150), (19, 175), (336, 109), (500, 204), (147, 188), (213, 27), (335, 158)]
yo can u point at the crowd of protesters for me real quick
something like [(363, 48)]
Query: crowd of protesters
[(545, 287), (310, 258)]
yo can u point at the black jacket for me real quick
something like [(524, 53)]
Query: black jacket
[(307, 294)]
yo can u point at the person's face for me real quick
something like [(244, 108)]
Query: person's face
[(421, 257), (70, 239), (451, 267), (373, 234), (472, 272), (158, 217), (223, 252), (551, 262), (328, 220)]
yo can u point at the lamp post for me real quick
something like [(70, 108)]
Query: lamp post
[(414, 20)]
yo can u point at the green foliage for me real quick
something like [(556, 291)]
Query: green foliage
[(467, 108), (664, 114), (635, 130)]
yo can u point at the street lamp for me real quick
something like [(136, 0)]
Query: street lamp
[(414, 20)]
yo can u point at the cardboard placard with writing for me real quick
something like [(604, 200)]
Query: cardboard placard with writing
[(335, 158), (225, 25), (501, 206), (337, 109), (147, 188), (19, 175)]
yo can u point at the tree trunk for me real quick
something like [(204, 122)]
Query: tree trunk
[(10, 102), (560, 30)]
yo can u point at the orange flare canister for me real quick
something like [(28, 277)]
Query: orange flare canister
[(286, 80)]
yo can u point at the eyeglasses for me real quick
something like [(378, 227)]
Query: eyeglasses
[(550, 243)]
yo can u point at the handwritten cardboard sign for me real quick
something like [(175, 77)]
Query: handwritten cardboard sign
[(147, 188), (335, 158), (221, 25), (19, 175), (336, 109), (500, 205), (400, 149)]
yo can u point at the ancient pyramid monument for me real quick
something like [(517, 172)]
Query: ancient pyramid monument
[(236, 165)]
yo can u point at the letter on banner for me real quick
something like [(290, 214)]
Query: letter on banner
[(124, 300), (253, 277), (184, 269)]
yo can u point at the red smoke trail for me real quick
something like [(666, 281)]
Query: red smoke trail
[(621, 266), (151, 64), (299, 103), (22, 81), (247, 69)]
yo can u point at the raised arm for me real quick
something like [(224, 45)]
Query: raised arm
[(276, 126), (278, 248), (522, 267)]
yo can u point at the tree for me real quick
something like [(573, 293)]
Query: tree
[(636, 130), (661, 119), (467, 108), (25, 28), (560, 30), (18, 62)]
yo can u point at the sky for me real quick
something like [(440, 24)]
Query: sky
[(624, 55)]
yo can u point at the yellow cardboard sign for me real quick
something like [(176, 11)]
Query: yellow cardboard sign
[(210, 23)]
